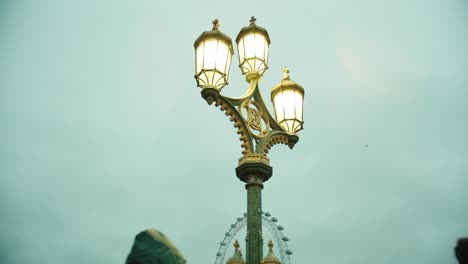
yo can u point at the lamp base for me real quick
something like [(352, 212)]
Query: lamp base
[(210, 94), (260, 170)]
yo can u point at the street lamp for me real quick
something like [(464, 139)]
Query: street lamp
[(257, 128)]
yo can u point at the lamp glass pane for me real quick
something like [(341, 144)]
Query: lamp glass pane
[(209, 54), (259, 41), (299, 105), (228, 64), (222, 55), (199, 58), (209, 75), (249, 45), (278, 105), (289, 104), (240, 50)]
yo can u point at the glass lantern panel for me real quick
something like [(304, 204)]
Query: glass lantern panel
[(260, 42), (299, 102), (199, 59), (209, 54), (228, 64), (249, 45), (222, 55), (289, 102), (278, 105), (240, 50), (209, 77)]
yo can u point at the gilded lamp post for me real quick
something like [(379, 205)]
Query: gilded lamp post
[(257, 128)]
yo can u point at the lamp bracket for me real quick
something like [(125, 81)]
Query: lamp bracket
[(253, 121)]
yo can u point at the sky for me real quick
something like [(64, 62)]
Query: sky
[(104, 132)]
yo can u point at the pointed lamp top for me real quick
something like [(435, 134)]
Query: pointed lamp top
[(236, 245), (252, 21), (215, 24), (237, 257), (285, 73), (271, 258)]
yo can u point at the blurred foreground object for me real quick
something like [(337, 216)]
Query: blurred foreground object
[(153, 247), (461, 250)]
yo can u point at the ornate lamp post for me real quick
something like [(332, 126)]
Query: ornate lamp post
[(257, 128)]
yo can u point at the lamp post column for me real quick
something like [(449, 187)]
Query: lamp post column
[(254, 174)]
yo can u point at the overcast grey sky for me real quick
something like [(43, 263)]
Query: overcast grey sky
[(104, 132)]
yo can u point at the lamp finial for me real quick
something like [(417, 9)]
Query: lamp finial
[(236, 245), (285, 73), (252, 20), (215, 24), (270, 245)]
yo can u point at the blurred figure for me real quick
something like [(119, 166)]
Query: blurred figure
[(461, 250), (153, 247)]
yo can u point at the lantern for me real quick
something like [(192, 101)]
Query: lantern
[(252, 45), (213, 55), (288, 100)]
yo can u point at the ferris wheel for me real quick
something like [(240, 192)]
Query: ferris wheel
[(267, 221)]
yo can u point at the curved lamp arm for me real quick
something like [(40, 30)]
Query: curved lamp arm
[(253, 121)]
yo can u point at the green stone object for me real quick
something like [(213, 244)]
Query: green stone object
[(153, 247)]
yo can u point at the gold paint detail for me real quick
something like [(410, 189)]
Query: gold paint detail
[(256, 118), (215, 24), (254, 157), (253, 76), (278, 139), (285, 73), (224, 106), (270, 244), (252, 20), (236, 245)]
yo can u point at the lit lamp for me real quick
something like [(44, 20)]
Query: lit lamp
[(213, 55), (288, 100), (252, 45)]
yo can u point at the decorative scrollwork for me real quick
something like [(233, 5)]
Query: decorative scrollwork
[(256, 118), (278, 139), (253, 122), (259, 157), (273, 138), (238, 123)]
